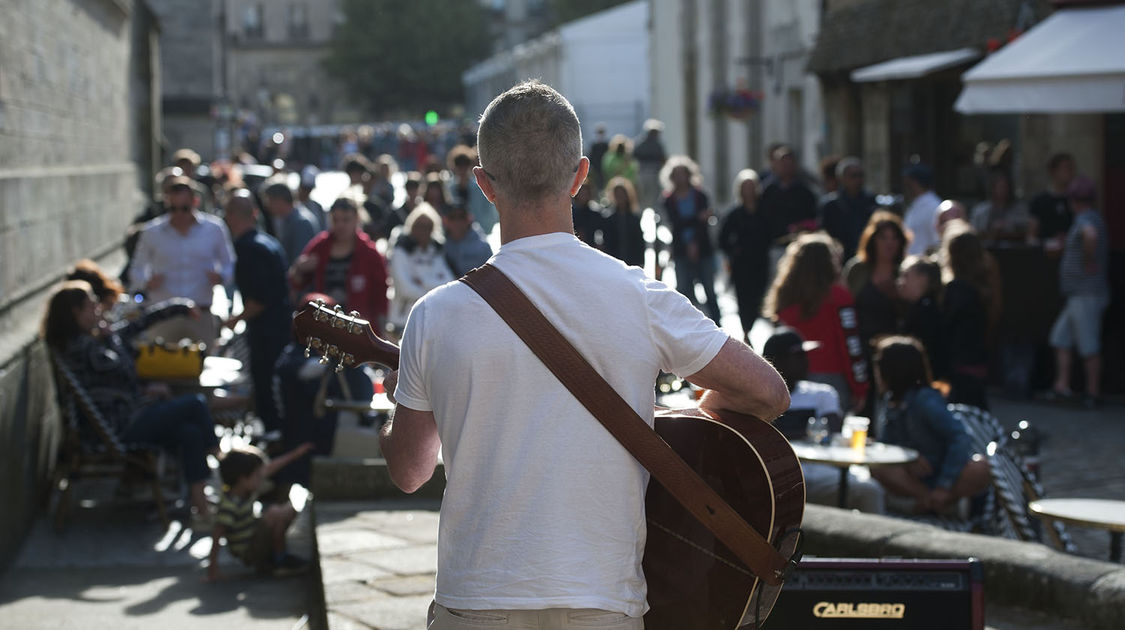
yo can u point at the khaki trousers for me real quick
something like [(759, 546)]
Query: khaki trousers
[(548, 619)]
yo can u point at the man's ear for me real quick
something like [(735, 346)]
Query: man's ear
[(580, 175), (485, 184)]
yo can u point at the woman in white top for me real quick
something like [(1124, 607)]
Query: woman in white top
[(417, 261)]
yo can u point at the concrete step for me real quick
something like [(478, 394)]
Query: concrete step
[(364, 479)]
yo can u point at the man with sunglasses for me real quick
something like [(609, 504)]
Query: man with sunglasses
[(183, 254)]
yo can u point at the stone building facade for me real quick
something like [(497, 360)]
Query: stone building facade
[(273, 68), (703, 47), (191, 69), (72, 76)]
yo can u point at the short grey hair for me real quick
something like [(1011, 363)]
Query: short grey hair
[(843, 165), (529, 142)]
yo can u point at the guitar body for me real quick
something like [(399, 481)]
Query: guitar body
[(694, 581)]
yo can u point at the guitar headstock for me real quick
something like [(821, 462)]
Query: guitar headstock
[(345, 338)]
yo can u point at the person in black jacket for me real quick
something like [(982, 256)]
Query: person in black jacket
[(845, 211), (744, 237), (919, 285), (968, 308), (788, 202), (622, 237), (688, 210)]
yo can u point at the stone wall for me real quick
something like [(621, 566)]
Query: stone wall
[(68, 188)]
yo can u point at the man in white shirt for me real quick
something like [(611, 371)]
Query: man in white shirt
[(184, 254), (542, 522), (921, 214)]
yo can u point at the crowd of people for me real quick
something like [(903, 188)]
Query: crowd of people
[(881, 312)]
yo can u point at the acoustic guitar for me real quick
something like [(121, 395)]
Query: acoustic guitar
[(694, 581)]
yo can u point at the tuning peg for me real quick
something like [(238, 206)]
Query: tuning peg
[(339, 367), (320, 302), (323, 360), (308, 351)]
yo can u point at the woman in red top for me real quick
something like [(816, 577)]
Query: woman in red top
[(342, 262), (807, 295)]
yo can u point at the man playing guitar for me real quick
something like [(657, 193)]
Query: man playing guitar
[(543, 519)]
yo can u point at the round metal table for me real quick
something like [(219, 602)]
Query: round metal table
[(876, 454), (1106, 514)]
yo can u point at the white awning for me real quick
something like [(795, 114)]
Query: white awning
[(914, 66), (1072, 62)]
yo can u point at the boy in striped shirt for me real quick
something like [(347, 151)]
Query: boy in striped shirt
[(259, 541)]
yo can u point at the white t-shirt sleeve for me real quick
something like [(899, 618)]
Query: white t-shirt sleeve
[(412, 390), (685, 338)]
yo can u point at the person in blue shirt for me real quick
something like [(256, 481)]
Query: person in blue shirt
[(260, 275), (915, 416)]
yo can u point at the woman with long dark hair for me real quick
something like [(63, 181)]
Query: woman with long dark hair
[(971, 305), (872, 275), (914, 415), (807, 295), (136, 412)]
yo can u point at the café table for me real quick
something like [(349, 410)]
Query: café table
[(875, 454), (1104, 514)]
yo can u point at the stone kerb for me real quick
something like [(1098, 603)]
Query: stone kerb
[(364, 479), (1017, 573)]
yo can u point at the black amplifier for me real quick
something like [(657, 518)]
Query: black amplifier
[(847, 593)]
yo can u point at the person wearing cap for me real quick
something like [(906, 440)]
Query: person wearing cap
[(788, 351), (650, 155), (182, 254), (187, 161), (1084, 280), (922, 212)]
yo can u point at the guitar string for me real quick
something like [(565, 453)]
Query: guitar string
[(706, 552)]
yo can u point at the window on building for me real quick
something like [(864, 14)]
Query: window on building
[(298, 20), (252, 21)]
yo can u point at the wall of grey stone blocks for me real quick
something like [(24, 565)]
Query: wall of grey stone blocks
[(68, 188)]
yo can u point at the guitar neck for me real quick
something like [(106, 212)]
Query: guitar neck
[(342, 337)]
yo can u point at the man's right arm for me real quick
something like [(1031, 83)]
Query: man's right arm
[(739, 380)]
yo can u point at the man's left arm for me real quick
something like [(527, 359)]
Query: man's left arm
[(410, 443)]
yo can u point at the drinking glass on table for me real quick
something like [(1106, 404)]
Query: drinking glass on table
[(817, 430)]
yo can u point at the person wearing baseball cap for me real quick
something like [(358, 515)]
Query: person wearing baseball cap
[(787, 350)]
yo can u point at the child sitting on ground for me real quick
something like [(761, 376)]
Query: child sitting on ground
[(259, 541)]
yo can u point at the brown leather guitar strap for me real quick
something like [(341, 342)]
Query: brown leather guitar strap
[(601, 400)]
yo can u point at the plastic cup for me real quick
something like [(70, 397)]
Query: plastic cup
[(859, 427)]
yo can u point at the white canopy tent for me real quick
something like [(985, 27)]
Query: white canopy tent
[(914, 66), (1073, 62)]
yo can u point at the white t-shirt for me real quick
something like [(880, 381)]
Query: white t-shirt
[(543, 508), (921, 219), (819, 398)]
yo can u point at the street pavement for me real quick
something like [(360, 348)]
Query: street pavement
[(114, 566)]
